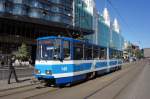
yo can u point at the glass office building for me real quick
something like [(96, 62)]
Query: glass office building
[(25, 20), (103, 33), (2, 6), (48, 10), (117, 41), (83, 17), (106, 36)]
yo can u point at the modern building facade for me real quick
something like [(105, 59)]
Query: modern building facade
[(25, 20), (93, 38), (22, 21), (107, 33), (49, 10), (83, 14), (103, 33), (132, 50)]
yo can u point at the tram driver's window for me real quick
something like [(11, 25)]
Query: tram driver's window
[(66, 46)]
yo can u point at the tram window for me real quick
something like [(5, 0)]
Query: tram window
[(38, 51), (49, 49), (95, 52), (66, 49), (88, 52), (115, 54), (112, 54), (78, 51), (102, 53), (119, 55)]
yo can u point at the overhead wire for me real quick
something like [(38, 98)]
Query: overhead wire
[(120, 16)]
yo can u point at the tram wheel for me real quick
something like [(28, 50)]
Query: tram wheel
[(68, 85), (91, 75)]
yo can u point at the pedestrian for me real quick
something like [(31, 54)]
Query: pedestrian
[(2, 61), (30, 60), (12, 69)]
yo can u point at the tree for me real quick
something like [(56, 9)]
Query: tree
[(139, 54), (23, 53)]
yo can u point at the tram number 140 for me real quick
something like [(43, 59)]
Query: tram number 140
[(64, 68)]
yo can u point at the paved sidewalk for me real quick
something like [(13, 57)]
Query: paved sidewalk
[(21, 73), (23, 82), (16, 67)]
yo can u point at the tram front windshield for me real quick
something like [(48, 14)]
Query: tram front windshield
[(49, 49)]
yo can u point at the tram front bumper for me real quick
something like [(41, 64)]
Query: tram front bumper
[(39, 76)]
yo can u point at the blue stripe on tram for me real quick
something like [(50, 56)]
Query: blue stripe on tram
[(101, 64), (67, 68)]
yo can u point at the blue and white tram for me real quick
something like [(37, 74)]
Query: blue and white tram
[(67, 60)]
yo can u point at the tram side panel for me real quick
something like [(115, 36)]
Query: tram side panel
[(101, 67), (69, 73), (61, 72)]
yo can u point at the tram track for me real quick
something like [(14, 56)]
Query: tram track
[(127, 84), (52, 90), (7, 92), (16, 87), (30, 93), (38, 87), (137, 70), (19, 92)]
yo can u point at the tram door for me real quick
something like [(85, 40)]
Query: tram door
[(33, 53)]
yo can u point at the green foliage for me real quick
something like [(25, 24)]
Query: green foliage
[(139, 54), (22, 53)]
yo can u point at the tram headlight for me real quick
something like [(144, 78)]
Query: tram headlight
[(48, 72), (36, 71)]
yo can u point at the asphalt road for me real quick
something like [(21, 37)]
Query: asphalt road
[(139, 88), (132, 82)]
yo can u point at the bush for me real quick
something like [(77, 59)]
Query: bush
[(22, 53)]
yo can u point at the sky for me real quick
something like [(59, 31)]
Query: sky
[(134, 20)]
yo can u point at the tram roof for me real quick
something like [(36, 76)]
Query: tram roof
[(65, 38), (70, 39), (54, 37)]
